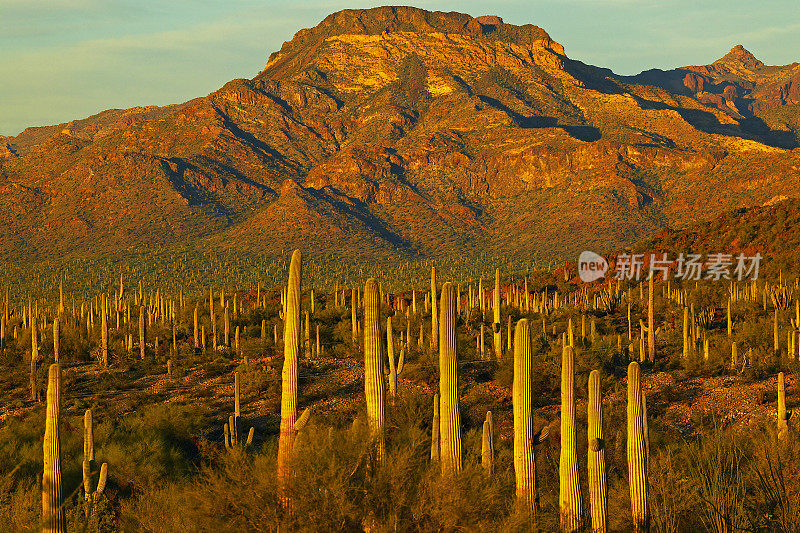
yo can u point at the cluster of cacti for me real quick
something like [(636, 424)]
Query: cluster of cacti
[(566, 317)]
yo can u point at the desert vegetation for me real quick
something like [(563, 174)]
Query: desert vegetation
[(516, 401)]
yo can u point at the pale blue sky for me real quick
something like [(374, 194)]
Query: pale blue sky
[(67, 59)]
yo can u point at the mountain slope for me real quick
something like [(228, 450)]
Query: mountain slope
[(402, 133)]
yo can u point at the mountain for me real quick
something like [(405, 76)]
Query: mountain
[(401, 133)]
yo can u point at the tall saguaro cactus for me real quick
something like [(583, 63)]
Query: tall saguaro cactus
[(104, 337), (498, 341), (686, 344), (53, 518), (450, 418), (434, 316), (374, 388), (569, 479), (197, 330), (91, 496), (142, 330), (34, 360), (291, 337), (390, 356), (525, 439), (637, 451), (651, 330), (598, 495), (487, 444), (783, 414), (56, 338), (354, 315)]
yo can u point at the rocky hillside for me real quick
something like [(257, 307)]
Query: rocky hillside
[(772, 230), (398, 132)]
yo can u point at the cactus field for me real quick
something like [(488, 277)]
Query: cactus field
[(513, 401)]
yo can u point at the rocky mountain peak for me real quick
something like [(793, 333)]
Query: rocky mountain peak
[(739, 55)]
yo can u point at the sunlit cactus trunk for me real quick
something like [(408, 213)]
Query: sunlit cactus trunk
[(434, 315), (569, 479), (374, 388), (390, 355), (686, 344), (104, 338), (196, 329), (651, 331), (53, 517), (226, 339), (142, 330), (527, 489), (637, 451), (88, 456), (783, 414), (598, 496), (291, 335), (487, 444), (729, 320), (775, 338), (450, 419), (498, 342), (354, 315), (34, 361), (56, 338)]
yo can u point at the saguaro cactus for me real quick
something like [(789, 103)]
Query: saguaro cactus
[(783, 414), (142, 330), (686, 344), (729, 320), (56, 338), (598, 496), (53, 518), (197, 330), (569, 479), (637, 451), (651, 331), (291, 334), (354, 315), (374, 388), (487, 444), (498, 341), (434, 315), (231, 427), (525, 439), (104, 337), (34, 360), (390, 355), (91, 496), (775, 338), (450, 418)]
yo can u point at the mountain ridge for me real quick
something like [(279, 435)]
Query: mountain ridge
[(403, 133)]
